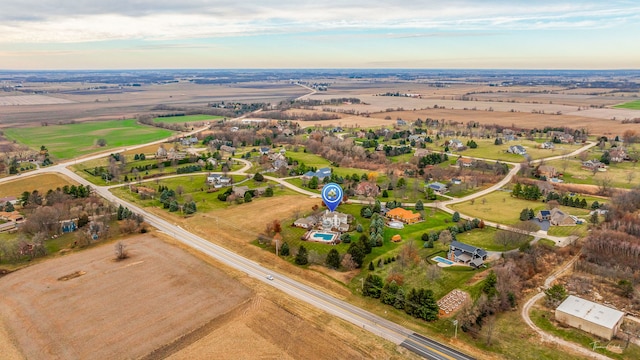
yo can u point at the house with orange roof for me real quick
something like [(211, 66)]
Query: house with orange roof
[(406, 216)]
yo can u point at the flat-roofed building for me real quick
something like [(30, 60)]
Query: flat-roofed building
[(591, 317)]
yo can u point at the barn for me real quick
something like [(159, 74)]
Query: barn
[(591, 317)]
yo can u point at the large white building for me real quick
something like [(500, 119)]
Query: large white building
[(591, 317)]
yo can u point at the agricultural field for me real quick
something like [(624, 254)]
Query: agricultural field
[(633, 105), (500, 207), (42, 183), (186, 119), (72, 140)]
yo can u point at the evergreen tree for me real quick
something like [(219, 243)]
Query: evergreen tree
[(284, 249), (357, 253), (313, 183), (455, 217), (489, 286), (372, 286), (371, 267), (302, 258), (419, 205), (333, 259), (9, 207), (268, 192), (517, 190), (247, 197)]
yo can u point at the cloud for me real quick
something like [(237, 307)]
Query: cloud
[(45, 21)]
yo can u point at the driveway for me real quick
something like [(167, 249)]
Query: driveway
[(544, 224)]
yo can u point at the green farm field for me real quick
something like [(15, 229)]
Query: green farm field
[(69, 141), (186, 119), (633, 105)]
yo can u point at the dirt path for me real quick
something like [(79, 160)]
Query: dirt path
[(573, 347)]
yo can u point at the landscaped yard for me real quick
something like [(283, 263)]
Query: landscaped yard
[(186, 119), (69, 141), (501, 207), (623, 175)]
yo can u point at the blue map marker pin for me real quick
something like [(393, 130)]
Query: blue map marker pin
[(332, 195)]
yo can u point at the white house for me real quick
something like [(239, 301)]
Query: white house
[(517, 149)]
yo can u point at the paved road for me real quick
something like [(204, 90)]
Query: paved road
[(400, 335)]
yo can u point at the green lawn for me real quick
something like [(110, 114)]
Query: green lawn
[(500, 207), (543, 319), (486, 149), (622, 175), (186, 119), (634, 105), (69, 141)]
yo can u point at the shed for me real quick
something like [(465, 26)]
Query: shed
[(396, 238), (591, 317)]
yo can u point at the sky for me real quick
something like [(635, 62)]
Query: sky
[(226, 34)]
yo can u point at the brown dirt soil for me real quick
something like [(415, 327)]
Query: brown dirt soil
[(238, 226), (10, 350), (120, 309)]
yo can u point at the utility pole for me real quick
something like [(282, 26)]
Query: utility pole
[(455, 334), (276, 247)]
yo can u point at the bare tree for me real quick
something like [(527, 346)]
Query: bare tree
[(630, 176), (347, 262), (121, 251)]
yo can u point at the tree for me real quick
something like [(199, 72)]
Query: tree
[(455, 217), (626, 287), (268, 192), (357, 253), (605, 158), (333, 259), (284, 249), (302, 257), (445, 237), (258, 177), (371, 267), (419, 205), (121, 252), (313, 183), (372, 286), (489, 285), (101, 142), (594, 218), (555, 295), (9, 207), (348, 263), (247, 197), (517, 190)]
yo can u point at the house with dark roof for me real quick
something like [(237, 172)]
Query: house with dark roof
[(306, 223), (466, 254), (320, 174), (265, 150), (594, 165), (456, 145), (544, 215), (560, 218), (517, 149), (438, 187)]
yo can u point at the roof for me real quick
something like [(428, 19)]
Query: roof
[(590, 311), (403, 213), (437, 186), (468, 248)]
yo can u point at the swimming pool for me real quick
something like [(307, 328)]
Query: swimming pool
[(442, 260), (322, 236)]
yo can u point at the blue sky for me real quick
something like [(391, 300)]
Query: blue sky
[(148, 34)]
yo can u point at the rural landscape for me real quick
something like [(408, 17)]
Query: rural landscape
[(182, 214)]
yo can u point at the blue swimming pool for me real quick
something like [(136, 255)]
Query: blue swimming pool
[(442, 260), (322, 236)]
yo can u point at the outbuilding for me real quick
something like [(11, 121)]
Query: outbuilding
[(591, 317)]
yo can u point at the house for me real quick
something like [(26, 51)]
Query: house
[(227, 148), (510, 137), (218, 180), (212, 161), (306, 223), (416, 137), (68, 226), (173, 154), (189, 141), (161, 153), (421, 152), (13, 216), (9, 199), (438, 187), (406, 216), (544, 215), (560, 218), (466, 254), (593, 165), (588, 316), (456, 145), (334, 220), (465, 162), (547, 171), (401, 122), (566, 138), (367, 188), (618, 155), (517, 149), (547, 145), (287, 132), (320, 174), (280, 163), (265, 150)]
